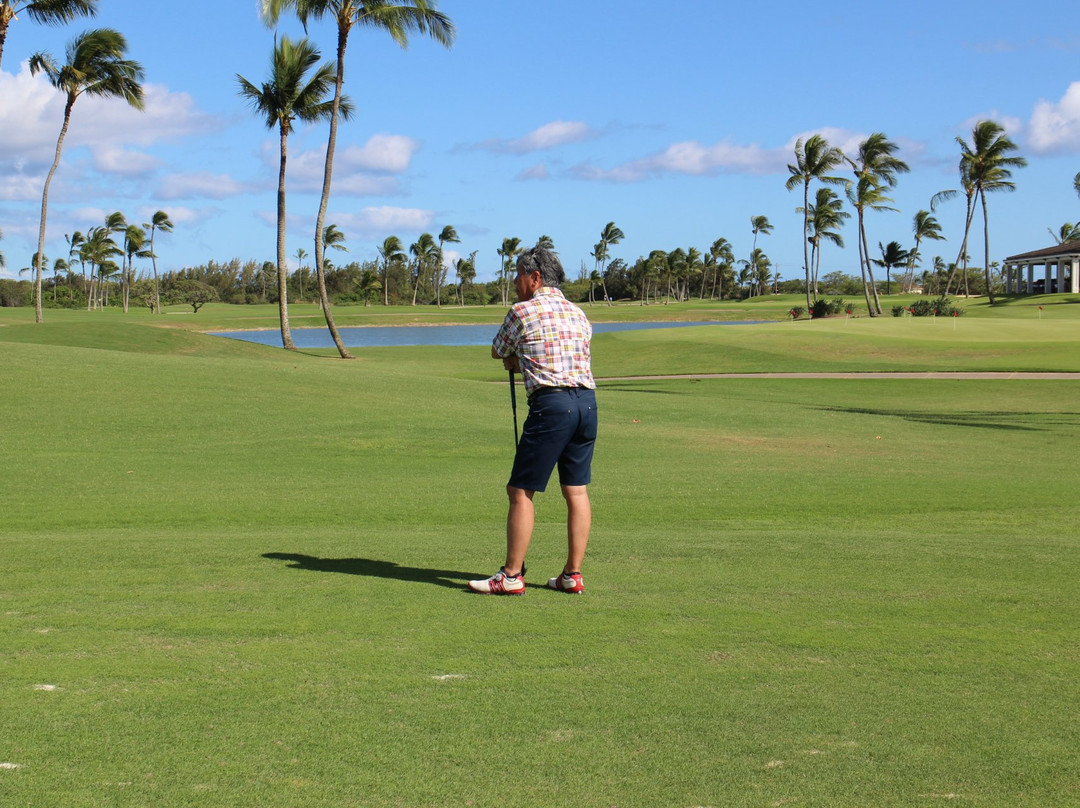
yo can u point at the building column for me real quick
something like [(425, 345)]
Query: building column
[(1030, 279), (1074, 281), (1050, 265)]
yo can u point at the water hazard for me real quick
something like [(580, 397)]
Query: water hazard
[(406, 335)]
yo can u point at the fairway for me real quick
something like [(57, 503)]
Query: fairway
[(234, 576)]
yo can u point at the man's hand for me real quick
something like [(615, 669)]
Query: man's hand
[(512, 363)]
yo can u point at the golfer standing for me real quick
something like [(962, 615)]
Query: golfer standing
[(546, 338)]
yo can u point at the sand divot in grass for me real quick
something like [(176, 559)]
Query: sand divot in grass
[(10, 766), (442, 677), (45, 688)]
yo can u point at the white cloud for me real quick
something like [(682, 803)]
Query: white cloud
[(368, 170), (694, 159), (548, 136), (115, 160), (380, 221), (33, 111), (1055, 127)]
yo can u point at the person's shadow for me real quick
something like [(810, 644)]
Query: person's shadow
[(454, 579)]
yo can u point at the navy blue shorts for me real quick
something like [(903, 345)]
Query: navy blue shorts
[(560, 429)]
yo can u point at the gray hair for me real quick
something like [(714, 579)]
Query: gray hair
[(546, 262)]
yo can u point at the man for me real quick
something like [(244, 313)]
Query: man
[(546, 338)]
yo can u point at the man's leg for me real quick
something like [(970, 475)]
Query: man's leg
[(519, 528), (578, 525)]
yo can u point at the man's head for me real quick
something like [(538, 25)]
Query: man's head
[(537, 267)]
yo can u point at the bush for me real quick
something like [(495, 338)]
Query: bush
[(938, 307), (796, 312), (827, 308)]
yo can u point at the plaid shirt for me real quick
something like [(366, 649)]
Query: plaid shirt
[(550, 336)]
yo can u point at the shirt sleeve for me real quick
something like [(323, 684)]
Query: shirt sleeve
[(509, 336)]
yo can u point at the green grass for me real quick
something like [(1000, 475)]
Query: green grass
[(243, 571)]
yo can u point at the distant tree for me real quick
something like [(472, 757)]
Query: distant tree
[(758, 224), (448, 235), (1070, 231), (48, 12), (608, 236), (510, 249), (724, 256), (159, 221), (814, 159), (134, 247), (425, 251), (876, 167), (924, 226), (290, 94), (1076, 183), (95, 66), (892, 255), (547, 242), (827, 215), (392, 251)]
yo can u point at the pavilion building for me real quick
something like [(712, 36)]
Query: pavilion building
[(1059, 265)]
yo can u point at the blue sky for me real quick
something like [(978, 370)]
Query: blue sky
[(675, 120)]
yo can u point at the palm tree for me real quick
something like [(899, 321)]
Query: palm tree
[(721, 250), (608, 236), (465, 270), (758, 224), (814, 159), (75, 242), (447, 236), (510, 249), (97, 250), (391, 251), (59, 265), (892, 256), (827, 215), (876, 166), (48, 12), (1069, 231), (290, 94), (3, 261), (398, 18), (547, 242), (424, 250), (159, 221), (924, 226), (1076, 183), (988, 164), (134, 241), (95, 66)]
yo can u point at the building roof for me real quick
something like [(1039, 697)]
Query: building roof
[(1068, 248)]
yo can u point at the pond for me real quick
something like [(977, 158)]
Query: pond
[(404, 335)]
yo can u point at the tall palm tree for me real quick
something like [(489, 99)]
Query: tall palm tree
[(724, 256), (425, 251), (814, 159), (392, 251), (75, 242), (398, 18), (290, 94), (159, 221), (465, 270), (134, 246), (48, 12), (876, 167), (608, 236), (925, 227), (95, 66), (988, 163), (758, 224), (448, 235), (510, 249), (827, 215), (1076, 183)]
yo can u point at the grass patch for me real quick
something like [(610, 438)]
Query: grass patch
[(241, 572)]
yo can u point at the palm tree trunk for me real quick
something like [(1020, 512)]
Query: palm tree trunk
[(45, 209), (986, 248), (282, 265), (862, 265), (324, 201)]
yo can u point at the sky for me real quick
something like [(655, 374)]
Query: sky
[(674, 120)]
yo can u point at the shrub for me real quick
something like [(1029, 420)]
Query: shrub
[(827, 308), (796, 312)]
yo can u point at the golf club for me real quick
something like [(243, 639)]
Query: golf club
[(513, 405)]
